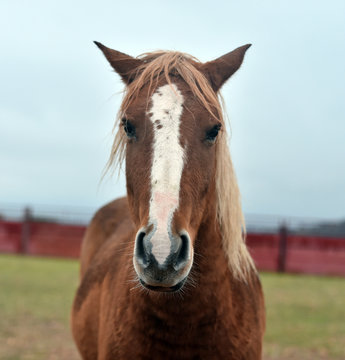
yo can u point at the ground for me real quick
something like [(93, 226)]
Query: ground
[(305, 314)]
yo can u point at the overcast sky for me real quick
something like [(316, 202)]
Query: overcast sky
[(59, 97)]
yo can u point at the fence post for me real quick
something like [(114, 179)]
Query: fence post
[(282, 248), (25, 231)]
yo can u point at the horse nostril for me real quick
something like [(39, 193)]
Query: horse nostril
[(140, 250), (182, 253)]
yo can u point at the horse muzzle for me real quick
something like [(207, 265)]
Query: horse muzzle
[(167, 274)]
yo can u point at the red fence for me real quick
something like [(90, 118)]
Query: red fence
[(299, 254), (271, 252), (41, 238)]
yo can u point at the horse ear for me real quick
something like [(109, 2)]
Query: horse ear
[(123, 64), (220, 70)]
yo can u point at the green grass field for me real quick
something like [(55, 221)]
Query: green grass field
[(305, 314)]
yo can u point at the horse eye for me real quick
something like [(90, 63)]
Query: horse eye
[(129, 128), (212, 133)]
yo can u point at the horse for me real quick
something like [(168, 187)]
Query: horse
[(165, 272)]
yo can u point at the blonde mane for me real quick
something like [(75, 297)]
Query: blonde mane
[(229, 212)]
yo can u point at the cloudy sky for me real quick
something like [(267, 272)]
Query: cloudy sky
[(59, 97)]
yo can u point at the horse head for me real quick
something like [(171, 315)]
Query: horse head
[(171, 131)]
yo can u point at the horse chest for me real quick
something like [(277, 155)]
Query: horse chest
[(152, 345), (207, 334)]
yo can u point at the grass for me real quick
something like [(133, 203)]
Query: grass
[(305, 317), (305, 314), (35, 299)]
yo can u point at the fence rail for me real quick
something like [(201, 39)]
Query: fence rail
[(282, 251)]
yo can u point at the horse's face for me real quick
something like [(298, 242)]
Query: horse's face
[(170, 166)]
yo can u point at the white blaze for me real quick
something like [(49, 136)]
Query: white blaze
[(167, 165)]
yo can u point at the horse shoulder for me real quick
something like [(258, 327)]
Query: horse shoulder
[(103, 252), (109, 220), (249, 311)]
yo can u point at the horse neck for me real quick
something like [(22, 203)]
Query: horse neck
[(210, 268), (209, 257)]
